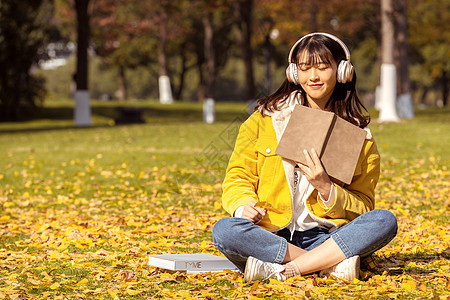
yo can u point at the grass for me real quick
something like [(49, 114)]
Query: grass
[(83, 207)]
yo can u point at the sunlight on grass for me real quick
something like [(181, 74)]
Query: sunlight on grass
[(83, 207)]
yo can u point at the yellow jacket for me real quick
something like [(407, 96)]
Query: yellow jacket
[(255, 173)]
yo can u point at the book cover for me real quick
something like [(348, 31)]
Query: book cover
[(307, 128), (197, 262), (337, 141)]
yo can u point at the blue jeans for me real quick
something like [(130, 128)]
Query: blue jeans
[(239, 238)]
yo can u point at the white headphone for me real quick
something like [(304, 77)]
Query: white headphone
[(345, 68)]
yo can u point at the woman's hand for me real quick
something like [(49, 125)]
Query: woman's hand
[(253, 213), (315, 173)]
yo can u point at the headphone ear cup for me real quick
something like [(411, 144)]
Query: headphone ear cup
[(345, 71), (350, 71), (341, 72), (292, 73)]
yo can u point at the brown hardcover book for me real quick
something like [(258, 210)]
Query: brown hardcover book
[(337, 142)]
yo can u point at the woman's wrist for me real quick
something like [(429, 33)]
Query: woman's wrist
[(325, 190)]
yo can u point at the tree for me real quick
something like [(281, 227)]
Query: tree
[(162, 20), (388, 70), (429, 41), (82, 114), (243, 15), (24, 28), (122, 39), (405, 107)]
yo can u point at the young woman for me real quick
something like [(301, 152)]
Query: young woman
[(290, 218)]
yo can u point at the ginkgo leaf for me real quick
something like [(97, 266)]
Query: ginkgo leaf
[(83, 282), (55, 286)]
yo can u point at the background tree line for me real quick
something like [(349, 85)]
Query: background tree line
[(227, 50)]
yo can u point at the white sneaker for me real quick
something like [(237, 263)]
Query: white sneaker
[(256, 269), (348, 269)]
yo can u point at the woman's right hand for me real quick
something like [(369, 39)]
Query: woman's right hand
[(253, 213)]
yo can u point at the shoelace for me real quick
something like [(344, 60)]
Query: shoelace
[(273, 272)]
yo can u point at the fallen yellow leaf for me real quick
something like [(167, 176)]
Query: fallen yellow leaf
[(55, 286), (409, 285), (83, 282)]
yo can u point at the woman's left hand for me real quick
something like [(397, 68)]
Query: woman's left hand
[(315, 173)]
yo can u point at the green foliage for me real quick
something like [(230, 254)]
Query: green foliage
[(429, 38), (364, 58), (23, 26), (126, 34)]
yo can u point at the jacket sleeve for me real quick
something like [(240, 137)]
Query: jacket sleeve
[(359, 196), (241, 178)]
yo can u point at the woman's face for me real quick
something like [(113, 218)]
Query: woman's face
[(317, 80)]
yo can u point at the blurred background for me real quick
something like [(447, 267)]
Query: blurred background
[(192, 50)]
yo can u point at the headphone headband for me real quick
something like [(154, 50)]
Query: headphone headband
[(347, 52), (344, 69)]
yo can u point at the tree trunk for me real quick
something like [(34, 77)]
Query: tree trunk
[(423, 96), (401, 40), (401, 35), (122, 84), (444, 88), (201, 81), (211, 77), (82, 113), (387, 32), (388, 71), (243, 12), (82, 43), (162, 45), (165, 89), (184, 68)]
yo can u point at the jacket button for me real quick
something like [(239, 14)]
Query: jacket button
[(268, 150)]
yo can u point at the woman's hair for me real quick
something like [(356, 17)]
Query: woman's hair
[(344, 100)]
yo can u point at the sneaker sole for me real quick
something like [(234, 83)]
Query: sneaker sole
[(249, 269)]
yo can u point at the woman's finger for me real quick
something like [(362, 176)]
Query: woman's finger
[(252, 213), (260, 210), (316, 159), (309, 160), (305, 169)]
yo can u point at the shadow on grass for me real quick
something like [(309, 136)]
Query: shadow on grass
[(399, 264), (111, 112)]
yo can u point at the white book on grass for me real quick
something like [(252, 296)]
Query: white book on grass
[(197, 262)]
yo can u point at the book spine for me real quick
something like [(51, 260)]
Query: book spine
[(199, 265)]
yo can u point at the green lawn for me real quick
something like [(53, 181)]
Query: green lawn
[(83, 207)]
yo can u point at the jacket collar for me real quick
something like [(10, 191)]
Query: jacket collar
[(281, 116)]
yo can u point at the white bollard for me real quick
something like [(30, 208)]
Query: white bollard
[(378, 100), (388, 93), (82, 113), (405, 106), (165, 91), (209, 114)]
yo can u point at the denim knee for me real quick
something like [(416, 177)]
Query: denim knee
[(388, 221), (366, 234), (224, 231)]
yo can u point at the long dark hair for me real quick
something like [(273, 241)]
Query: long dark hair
[(344, 101)]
